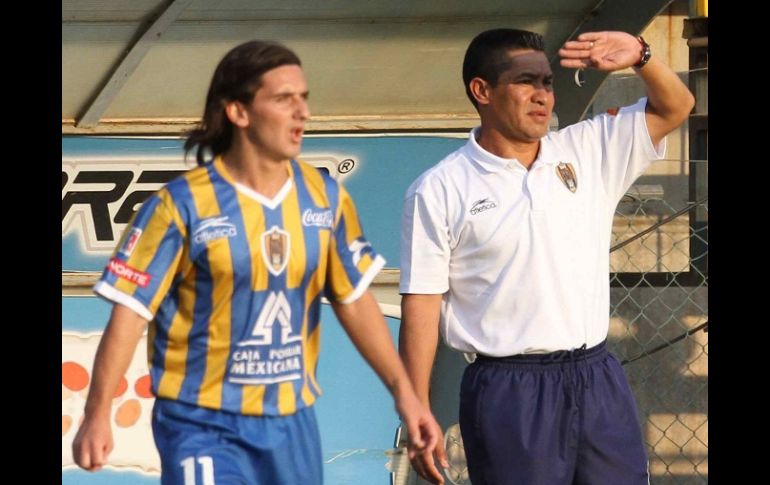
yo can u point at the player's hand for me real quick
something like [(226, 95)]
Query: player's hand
[(92, 444)]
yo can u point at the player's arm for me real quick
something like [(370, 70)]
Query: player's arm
[(417, 342), (418, 339), (93, 441), (364, 323)]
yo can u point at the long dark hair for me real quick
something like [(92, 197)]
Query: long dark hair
[(237, 78)]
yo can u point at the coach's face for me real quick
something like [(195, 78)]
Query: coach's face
[(521, 104)]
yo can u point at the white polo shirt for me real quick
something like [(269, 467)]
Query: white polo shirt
[(522, 261)]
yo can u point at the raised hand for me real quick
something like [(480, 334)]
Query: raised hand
[(604, 51)]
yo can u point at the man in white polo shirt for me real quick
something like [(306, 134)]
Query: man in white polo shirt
[(505, 248)]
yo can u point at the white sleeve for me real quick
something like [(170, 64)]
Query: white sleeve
[(424, 247), (626, 148)]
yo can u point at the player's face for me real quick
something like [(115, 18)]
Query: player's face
[(522, 101), (278, 112)]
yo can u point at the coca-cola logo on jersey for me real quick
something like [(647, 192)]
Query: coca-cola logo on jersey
[(322, 218)]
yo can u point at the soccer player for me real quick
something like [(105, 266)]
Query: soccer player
[(227, 264)]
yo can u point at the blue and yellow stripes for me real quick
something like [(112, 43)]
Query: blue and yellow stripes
[(212, 295)]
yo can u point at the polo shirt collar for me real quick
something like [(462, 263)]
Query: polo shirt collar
[(492, 163)]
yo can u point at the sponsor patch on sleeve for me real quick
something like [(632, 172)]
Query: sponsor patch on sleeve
[(126, 272), (130, 241)]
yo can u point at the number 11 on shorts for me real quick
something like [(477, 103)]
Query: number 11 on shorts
[(207, 470)]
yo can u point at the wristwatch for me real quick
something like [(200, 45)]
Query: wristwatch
[(646, 53)]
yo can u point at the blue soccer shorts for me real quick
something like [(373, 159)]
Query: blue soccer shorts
[(200, 446), (563, 418)]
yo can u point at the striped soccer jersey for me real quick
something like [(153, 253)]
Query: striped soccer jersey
[(231, 282)]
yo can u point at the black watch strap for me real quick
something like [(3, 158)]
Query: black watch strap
[(646, 53)]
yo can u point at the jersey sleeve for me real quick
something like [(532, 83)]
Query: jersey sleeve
[(614, 147), (425, 247), (627, 148), (353, 262), (141, 270)]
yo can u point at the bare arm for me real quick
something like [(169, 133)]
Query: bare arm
[(417, 341), (93, 441), (418, 338), (669, 101), (364, 323)]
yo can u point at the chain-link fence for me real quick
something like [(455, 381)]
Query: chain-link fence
[(659, 325), (659, 282)]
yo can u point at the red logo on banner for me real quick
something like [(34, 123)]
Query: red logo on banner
[(122, 270)]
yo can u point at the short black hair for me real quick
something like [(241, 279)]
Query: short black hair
[(488, 52)]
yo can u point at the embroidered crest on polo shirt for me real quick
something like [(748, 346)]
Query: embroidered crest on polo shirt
[(566, 173), (482, 205)]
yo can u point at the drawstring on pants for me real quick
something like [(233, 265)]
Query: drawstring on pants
[(580, 351)]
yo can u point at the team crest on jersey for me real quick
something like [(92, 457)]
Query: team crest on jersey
[(566, 173), (275, 249)]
